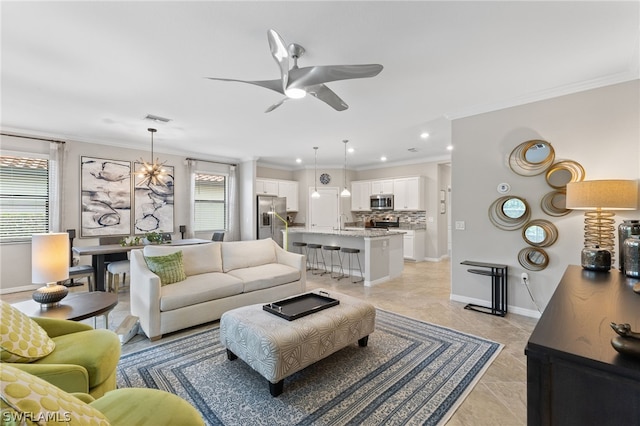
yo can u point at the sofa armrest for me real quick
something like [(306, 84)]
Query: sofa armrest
[(58, 327), (145, 295), (68, 377), (288, 258)]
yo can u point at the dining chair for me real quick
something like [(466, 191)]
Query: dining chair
[(78, 271), (218, 236), (117, 264)]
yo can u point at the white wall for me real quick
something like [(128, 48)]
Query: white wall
[(600, 129)]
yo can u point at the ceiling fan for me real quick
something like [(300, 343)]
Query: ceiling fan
[(296, 83)]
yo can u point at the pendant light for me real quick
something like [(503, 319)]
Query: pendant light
[(345, 192), (151, 174), (315, 193)]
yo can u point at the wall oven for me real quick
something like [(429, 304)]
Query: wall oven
[(381, 202)]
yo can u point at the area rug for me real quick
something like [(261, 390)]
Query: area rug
[(411, 372)]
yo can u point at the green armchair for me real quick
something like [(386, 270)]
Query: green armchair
[(84, 360), (27, 398)]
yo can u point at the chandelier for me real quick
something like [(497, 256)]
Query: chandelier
[(151, 174)]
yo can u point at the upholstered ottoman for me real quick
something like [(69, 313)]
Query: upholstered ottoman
[(277, 348)]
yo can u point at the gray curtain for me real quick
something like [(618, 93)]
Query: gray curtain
[(191, 223), (234, 206), (56, 192)]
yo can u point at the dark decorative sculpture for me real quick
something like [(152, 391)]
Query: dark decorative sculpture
[(628, 341)]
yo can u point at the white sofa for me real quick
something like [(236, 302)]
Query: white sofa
[(220, 276)]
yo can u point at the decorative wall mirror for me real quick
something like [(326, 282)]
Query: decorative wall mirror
[(533, 258), (531, 158), (509, 212), (563, 172), (540, 233), (554, 203)]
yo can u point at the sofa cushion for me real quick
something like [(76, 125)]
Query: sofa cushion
[(21, 338), (265, 276), (169, 268), (197, 258), (37, 399), (198, 289), (244, 254)]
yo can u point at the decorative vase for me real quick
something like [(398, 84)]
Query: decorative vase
[(626, 229), (631, 254), (596, 259), (50, 294)]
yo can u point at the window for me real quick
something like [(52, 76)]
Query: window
[(24, 197), (210, 202)]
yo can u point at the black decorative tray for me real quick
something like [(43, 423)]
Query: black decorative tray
[(300, 306)]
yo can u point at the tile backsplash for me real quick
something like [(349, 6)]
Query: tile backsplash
[(406, 218)]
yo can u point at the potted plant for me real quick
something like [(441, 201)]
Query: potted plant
[(153, 238)]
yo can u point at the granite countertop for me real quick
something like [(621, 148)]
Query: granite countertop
[(366, 233)]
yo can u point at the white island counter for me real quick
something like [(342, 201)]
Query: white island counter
[(381, 252)]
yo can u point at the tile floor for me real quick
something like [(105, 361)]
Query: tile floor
[(421, 292)]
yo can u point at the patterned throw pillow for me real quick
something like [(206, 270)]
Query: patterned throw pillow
[(21, 338), (36, 401), (169, 268)]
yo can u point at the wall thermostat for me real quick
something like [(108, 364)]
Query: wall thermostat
[(503, 188)]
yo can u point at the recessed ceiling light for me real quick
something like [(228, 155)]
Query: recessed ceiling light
[(298, 160), (351, 150), (383, 158), (450, 147), (424, 135)]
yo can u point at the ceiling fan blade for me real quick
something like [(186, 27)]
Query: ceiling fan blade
[(328, 96), (275, 85), (280, 53), (276, 105), (310, 76)]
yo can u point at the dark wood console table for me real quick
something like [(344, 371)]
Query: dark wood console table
[(574, 376), (498, 274)]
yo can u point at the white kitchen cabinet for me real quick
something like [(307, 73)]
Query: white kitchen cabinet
[(409, 193), (289, 189), (360, 196), (266, 187), (413, 244), (382, 187)]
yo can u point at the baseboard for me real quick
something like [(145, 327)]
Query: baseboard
[(19, 289), (510, 309)]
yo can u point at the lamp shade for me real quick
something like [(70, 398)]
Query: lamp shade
[(604, 194), (49, 257)]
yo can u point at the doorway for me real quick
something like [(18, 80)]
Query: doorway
[(323, 211)]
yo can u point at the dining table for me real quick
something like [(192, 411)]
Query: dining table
[(99, 252)]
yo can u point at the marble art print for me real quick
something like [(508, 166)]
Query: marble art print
[(105, 197), (153, 204)]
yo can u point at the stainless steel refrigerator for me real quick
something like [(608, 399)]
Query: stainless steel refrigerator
[(269, 226)]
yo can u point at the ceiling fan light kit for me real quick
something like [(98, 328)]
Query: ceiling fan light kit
[(296, 82)]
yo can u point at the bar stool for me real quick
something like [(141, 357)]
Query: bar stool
[(351, 252), (313, 249), (304, 250), (331, 250)]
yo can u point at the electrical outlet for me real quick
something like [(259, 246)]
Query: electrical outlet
[(460, 225)]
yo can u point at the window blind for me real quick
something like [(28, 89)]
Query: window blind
[(210, 202), (24, 197)]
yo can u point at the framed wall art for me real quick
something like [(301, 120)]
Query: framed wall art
[(153, 203), (105, 194)]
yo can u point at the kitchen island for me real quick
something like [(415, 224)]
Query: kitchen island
[(381, 252)]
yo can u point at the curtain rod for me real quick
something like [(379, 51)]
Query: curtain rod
[(209, 161), (31, 137)]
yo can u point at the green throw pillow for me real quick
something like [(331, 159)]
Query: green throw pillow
[(169, 268), (21, 338)]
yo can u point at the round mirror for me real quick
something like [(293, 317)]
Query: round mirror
[(533, 258), (509, 213), (554, 203), (540, 233), (531, 158), (563, 172), (534, 234), (514, 208)]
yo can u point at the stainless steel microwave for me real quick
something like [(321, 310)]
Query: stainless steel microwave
[(381, 202)]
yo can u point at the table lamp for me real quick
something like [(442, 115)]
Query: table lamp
[(599, 197), (49, 264)]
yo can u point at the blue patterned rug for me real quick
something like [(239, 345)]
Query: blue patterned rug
[(411, 372)]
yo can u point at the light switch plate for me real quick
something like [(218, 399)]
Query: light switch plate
[(460, 225)]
